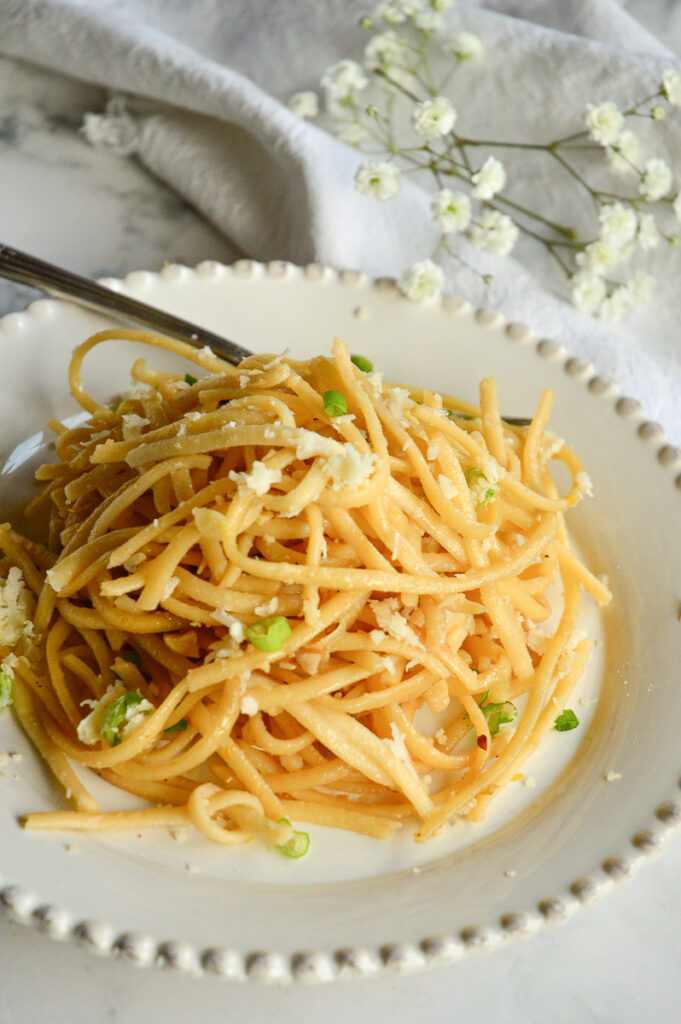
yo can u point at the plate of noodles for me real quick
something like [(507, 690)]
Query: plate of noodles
[(324, 663)]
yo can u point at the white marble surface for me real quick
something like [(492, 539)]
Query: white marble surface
[(616, 963)]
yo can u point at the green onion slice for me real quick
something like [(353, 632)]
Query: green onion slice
[(497, 714), (334, 403), (179, 726), (190, 378), (476, 480), (297, 845), (269, 634), (5, 690), (566, 721), (115, 716), (362, 363)]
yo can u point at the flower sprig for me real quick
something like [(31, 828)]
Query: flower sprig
[(397, 105)]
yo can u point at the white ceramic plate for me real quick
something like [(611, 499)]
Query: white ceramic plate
[(353, 905)]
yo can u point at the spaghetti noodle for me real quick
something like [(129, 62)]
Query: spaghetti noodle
[(289, 592)]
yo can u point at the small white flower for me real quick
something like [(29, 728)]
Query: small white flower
[(422, 282), (604, 122), (351, 132), (600, 256), (428, 20), (490, 179), (641, 290), (410, 8), (377, 179), (587, 291), (623, 155), (648, 237), (385, 50), (671, 84), (304, 104), (390, 13), (451, 210), (434, 118), (676, 206), (656, 180), (343, 79), (494, 232), (617, 305), (464, 45), (618, 223)]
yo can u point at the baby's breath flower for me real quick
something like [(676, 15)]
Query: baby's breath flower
[(641, 289), (616, 305), (464, 45), (441, 5), (342, 80), (377, 179), (671, 84), (385, 50), (304, 104), (676, 207), (390, 13), (434, 118), (656, 180), (623, 155), (618, 223), (648, 237), (604, 122), (411, 7), (423, 281), (428, 20), (600, 256), (658, 113), (490, 179), (587, 291), (351, 132), (494, 232), (451, 210)]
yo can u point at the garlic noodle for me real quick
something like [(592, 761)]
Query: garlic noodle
[(289, 592)]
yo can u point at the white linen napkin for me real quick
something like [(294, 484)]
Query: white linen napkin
[(207, 84)]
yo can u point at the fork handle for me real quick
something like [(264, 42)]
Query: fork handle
[(24, 269)]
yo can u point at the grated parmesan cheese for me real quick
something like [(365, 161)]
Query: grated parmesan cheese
[(447, 487), (350, 468), (16, 608), (390, 620), (259, 480), (249, 706)]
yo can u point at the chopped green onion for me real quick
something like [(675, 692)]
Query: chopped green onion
[(566, 721), (497, 714), (297, 845), (476, 480), (179, 726), (133, 657), (334, 403), (269, 634), (115, 716), (362, 363), (5, 690), (455, 415), (190, 378)]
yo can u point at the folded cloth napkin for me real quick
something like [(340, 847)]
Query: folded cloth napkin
[(207, 85)]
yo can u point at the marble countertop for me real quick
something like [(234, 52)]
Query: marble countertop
[(615, 963)]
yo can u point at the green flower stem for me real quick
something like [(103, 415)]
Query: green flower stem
[(558, 228)]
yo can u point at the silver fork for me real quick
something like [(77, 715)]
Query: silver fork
[(63, 284), (25, 269)]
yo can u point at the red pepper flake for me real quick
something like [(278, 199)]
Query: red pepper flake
[(482, 742)]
